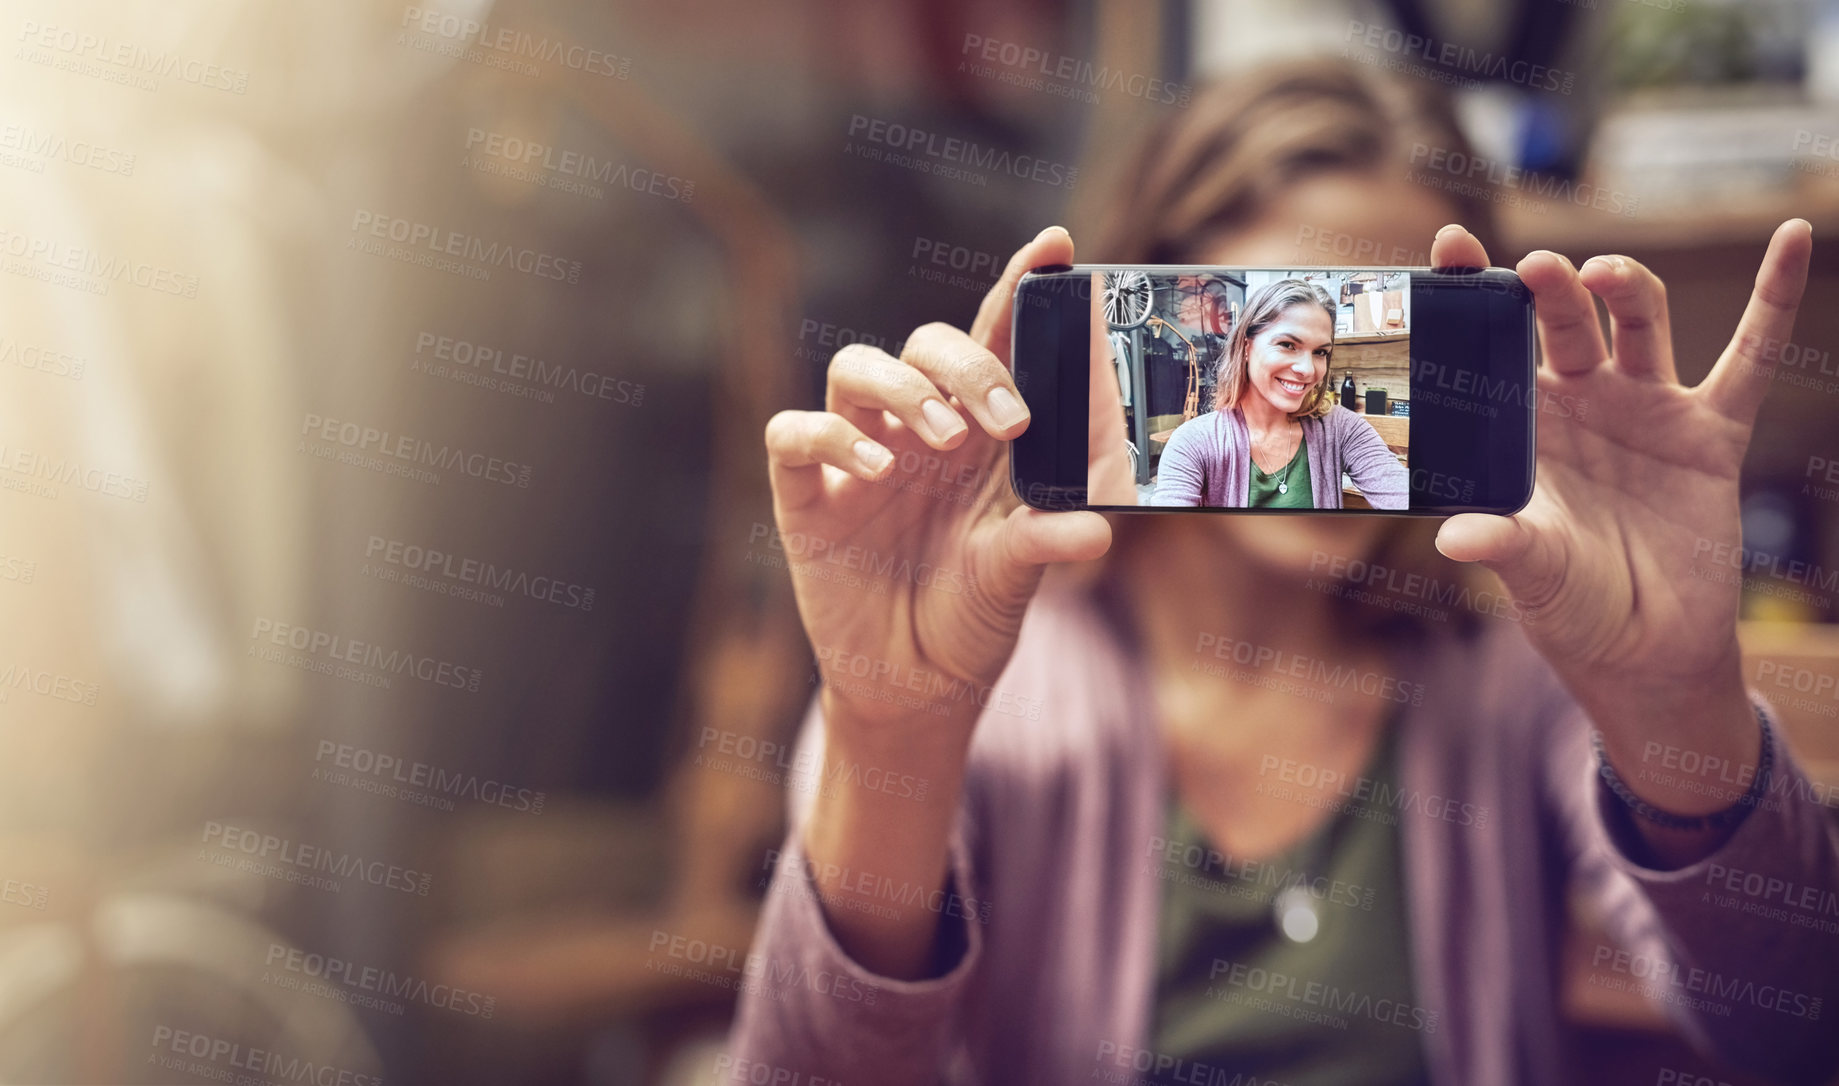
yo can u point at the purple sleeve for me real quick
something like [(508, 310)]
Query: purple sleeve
[(810, 1013), (1741, 947), (1374, 468), (1181, 474)]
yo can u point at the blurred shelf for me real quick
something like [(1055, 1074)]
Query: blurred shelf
[(1747, 218), (1683, 169)]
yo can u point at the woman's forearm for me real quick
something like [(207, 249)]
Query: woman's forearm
[(1179, 479), (880, 857), (1382, 480)]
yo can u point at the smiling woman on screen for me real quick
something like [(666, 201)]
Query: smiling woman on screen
[(1276, 439)]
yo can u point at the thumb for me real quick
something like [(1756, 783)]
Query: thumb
[(1028, 540), (1039, 537), (1503, 544)]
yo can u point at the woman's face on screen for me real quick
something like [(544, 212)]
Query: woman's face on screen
[(1290, 356)]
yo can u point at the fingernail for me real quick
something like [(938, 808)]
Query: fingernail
[(1043, 234), (1606, 262), (1005, 409), (872, 456), (1447, 229), (944, 421)]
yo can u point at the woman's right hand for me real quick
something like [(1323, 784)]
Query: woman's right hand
[(913, 564), (912, 561)]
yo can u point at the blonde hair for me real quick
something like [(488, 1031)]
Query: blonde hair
[(1232, 374)]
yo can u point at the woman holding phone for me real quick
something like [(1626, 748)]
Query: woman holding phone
[(1275, 438), (1060, 754)]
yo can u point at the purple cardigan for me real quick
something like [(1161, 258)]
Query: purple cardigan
[(1207, 458), (1053, 839)]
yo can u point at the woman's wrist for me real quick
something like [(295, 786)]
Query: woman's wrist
[(1725, 818), (881, 825), (916, 739), (1685, 750), (898, 781)]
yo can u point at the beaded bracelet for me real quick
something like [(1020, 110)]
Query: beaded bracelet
[(1729, 816)]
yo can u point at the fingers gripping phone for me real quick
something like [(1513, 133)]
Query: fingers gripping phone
[(1350, 390)]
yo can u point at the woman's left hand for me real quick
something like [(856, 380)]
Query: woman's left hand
[(1636, 490)]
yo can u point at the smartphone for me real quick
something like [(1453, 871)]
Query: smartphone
[(1343, 390)]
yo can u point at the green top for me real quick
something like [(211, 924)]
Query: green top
[(1288, 488), (1296, 969)]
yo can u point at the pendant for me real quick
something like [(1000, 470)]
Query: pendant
[(1296, 915), (1283, 488)]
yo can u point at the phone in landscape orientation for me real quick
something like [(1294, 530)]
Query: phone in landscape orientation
[(1368, 390)]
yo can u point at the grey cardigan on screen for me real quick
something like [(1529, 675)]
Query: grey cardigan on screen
[(1208, 459), (1051, 960)]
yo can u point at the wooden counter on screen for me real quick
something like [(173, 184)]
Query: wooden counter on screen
[(1395, 429)]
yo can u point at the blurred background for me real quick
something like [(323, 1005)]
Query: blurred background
[(398, 660)]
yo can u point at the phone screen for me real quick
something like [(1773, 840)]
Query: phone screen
[(1276, 389)]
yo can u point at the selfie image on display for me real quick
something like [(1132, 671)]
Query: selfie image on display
[(1263, 388)]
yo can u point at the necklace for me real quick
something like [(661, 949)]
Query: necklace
[(1283, 474), (1287, 461)]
